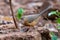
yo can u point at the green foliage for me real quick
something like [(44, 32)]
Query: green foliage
[(51, 13), (58, 20), (51, 33), (53, 36), (58, 13), (55, 13), (20, 13)]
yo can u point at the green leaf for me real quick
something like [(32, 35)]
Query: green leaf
[(58, 20), (51, 13), (20, 13), (51, 33), (53, 36), (58, 13), (20, 10), (19, 16)]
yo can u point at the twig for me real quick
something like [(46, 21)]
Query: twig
[(13, 14)]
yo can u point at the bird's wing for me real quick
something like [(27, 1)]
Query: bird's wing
[(30, 17)]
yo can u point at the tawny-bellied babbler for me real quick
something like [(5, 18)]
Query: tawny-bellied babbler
[(32, 20)]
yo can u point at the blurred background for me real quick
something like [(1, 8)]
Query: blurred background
[(30, 7)]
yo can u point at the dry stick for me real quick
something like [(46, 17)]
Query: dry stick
[(13, 14)]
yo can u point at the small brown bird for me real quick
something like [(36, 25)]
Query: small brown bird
[(32, 20)]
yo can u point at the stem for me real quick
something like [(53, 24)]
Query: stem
[(57, 15), (13, 14)]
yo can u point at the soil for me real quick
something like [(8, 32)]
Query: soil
[(8, 31)]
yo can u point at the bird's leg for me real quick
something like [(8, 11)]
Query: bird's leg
[(30, 29)]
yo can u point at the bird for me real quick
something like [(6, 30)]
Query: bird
[(32, 20)]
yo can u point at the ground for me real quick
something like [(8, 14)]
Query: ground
[(9, 31)]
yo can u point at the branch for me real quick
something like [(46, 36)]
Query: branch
[(13, 14)]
